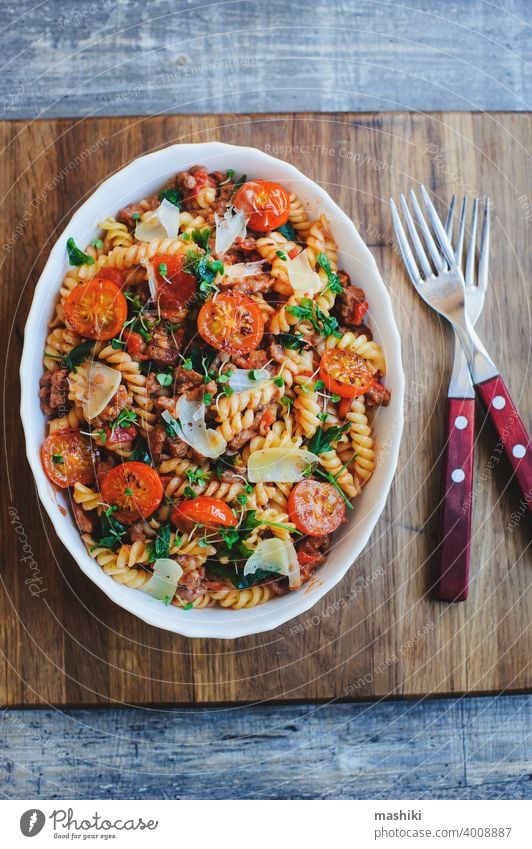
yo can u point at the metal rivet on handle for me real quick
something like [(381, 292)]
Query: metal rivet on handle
[(460, 422), (499, 402), (457, 475), (519, 451)]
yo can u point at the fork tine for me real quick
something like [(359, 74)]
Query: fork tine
[(484, 251), (450, 220), (470, 260), (418, 245), (439, 229), (461, 231), (404, 246), (427, 235)]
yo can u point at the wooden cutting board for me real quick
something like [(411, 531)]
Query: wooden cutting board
[(379, 633)]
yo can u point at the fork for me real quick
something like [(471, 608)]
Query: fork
[(457, 495), (441, 285)]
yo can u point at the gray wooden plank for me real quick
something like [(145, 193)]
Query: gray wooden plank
[(107, 57), (456, 748)]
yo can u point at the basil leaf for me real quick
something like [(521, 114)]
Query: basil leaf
[(76, 255)]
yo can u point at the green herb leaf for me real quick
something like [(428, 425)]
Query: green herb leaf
[(112, 531), (230, 173), (171, 425), (197, 475), (188, 492), (201, 237), (307, 310), (124, 419), (324, 438), (292, 341), (289, 232), (187, 364), (97, 243), (128, 491), (163, 269), (164, 379), (57, 458), (76, 256), (77, 355), (117, 344), (281, 255), (171, 195), (279, 381), (333, 281)]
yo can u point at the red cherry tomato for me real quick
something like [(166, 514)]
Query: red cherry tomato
[(175, 287), (134, 343), (118, 276), (96, 309), (68, 458), (203, 510), (231, 322), (267, 204), (135, 488), (118, 435), (345, 373), (316, 508)]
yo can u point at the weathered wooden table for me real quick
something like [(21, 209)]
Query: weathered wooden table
[(462, 748)]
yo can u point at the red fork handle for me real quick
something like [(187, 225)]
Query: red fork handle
[(511, 431), (457, 499)]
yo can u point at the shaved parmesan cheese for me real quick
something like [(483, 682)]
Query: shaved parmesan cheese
[(162, 223), (232, 226), (240, 380), (163, 583), (93, 385), (194, 432), (241, 270), (303, 280), (281, 465), (275, 555)]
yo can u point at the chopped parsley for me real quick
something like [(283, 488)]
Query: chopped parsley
[(57, 458), (97, 243), (279, 381), (286, 401), (76, 256), (188, 492), (128, 491), (163, 269), (281, 255)]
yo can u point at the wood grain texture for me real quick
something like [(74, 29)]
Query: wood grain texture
[(125, 57), (379, 633), (475, 748)]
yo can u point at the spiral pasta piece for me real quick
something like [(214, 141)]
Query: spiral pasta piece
[(332, 464), (116, 234), (58, 343), (362, 440), (135, 382), (87, 497), (248, 400), (70, 421), (306, 406), (320, 240), (238, 599), (115, 564), (136, 254), (298, 218)]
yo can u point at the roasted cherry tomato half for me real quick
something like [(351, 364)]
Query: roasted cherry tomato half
[(316, 508), (231, 322), (96, 309), (345, 373), (267, 204), (203, 510), (134, 488), (68, 458), (175, 287)]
